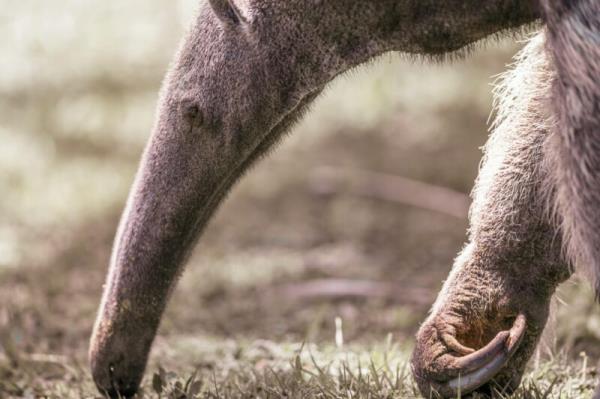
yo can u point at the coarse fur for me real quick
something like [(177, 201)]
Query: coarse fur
[(248, 69)]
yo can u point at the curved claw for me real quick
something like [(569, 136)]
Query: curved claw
[(483, 356), (452, 343), (481, 366)]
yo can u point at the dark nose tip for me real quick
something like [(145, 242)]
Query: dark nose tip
[(117, 379), (121, 393), (115, 393), (115, 386)]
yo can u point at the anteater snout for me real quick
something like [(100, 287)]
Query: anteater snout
[(115, 375)]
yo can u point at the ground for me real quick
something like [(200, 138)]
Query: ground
[(311, 280)]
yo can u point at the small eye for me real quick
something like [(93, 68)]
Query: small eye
[(194, 115), (192, 111)]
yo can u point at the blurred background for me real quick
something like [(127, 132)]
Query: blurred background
[(332, 225)]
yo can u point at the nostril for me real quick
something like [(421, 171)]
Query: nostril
[(114, 383)]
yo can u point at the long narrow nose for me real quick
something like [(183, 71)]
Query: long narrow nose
[(194, 155), (162, 218)]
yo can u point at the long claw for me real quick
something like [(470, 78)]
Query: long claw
[(483, 356), (453, 344), (481, 366)]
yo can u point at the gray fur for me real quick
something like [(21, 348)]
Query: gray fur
[(246, 71), (574, 43)]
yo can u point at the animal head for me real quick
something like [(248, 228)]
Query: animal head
[(246, 71)]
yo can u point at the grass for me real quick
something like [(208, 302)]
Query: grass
[(265, 369)]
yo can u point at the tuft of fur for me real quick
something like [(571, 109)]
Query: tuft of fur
[(520, 107)]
